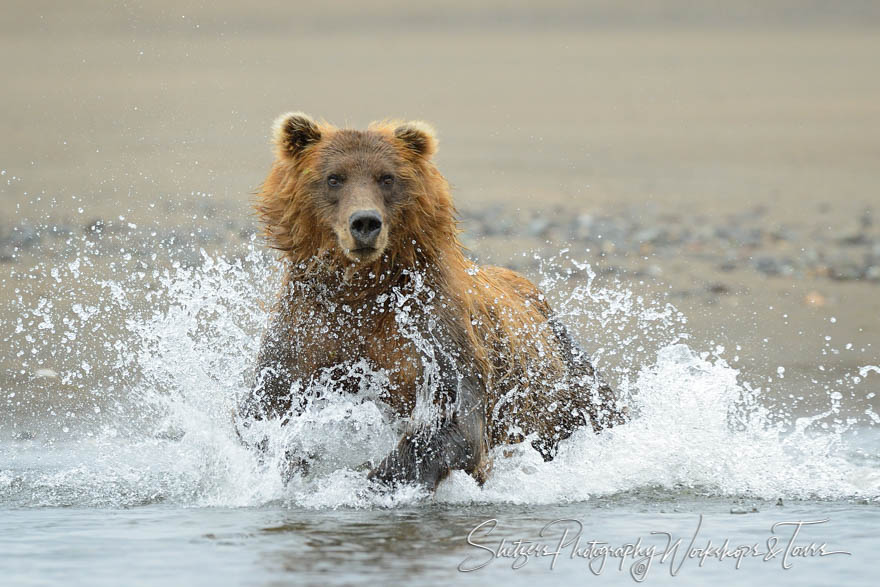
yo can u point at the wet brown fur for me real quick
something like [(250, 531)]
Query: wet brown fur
[(525, 375)]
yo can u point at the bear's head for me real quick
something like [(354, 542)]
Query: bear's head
[(364, 199)]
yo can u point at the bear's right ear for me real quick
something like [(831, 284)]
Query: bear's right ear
[(293, 132)]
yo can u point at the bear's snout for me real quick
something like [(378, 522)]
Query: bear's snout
[(365, 226)]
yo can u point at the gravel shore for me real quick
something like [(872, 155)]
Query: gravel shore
[(646, 239)]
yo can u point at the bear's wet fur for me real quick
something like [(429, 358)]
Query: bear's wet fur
[(367, 230)]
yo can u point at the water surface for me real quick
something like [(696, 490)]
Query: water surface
[(119, 459)]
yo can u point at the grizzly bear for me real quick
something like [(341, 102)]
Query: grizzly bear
[(472, 356)]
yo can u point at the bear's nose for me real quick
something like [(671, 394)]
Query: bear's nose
[(365, 226)]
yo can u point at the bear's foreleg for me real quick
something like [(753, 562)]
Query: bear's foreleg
[(427, 453), (270, 395)]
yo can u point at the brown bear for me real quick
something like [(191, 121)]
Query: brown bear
[(472, 356)]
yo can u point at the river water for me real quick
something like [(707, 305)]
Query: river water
[(119, 463)]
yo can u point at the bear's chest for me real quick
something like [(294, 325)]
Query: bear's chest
[(346, 340)]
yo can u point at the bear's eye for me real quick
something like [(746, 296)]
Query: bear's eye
[(334, 180), (386, 179)]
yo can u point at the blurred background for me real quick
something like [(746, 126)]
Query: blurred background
[(722, 156)]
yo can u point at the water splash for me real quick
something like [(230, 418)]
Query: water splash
[(122, 380)]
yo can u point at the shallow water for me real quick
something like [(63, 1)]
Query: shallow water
[(163, 544), (118, 456)]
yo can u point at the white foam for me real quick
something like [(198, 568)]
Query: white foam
[(168, 385)]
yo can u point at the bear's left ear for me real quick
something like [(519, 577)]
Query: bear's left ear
[(293, 132), (418, 136)]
